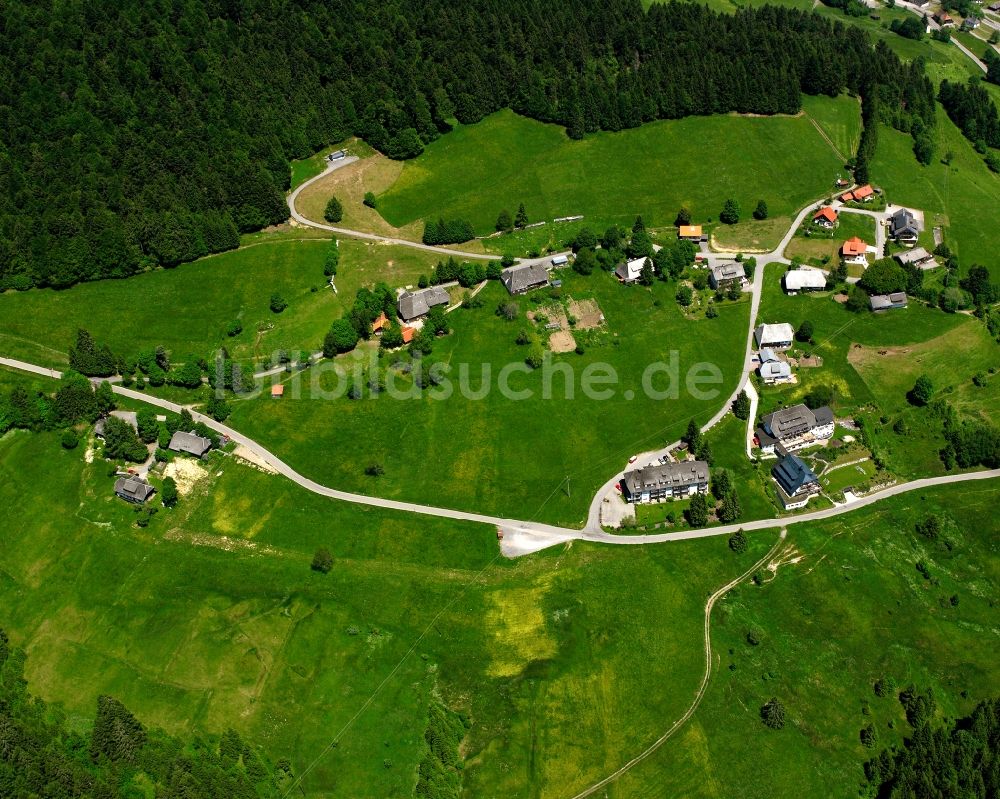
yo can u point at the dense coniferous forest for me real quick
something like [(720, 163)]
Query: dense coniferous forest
[(139, 133), (971, 108), (40, 755), (962, 760)]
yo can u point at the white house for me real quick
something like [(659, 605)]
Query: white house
[(772, 369), (778, 336), (629, 272), (804, 279)]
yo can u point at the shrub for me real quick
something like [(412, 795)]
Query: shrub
[(738, 542), (278, 303), (760, 212), (70, 440), (235, 328), (369, 199), (773, 714), (921, 392), (375, 469), (168, 493), (322, 561)]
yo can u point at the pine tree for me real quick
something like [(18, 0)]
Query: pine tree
[(521, 219)]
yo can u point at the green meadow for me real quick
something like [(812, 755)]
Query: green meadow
[(699, 162), (211, 618), (527, 457), (188, 309), (564, 664), (844, 607)]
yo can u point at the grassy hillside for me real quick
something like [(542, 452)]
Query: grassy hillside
[(963, 196), (211, 618), (188, 309), (845, 607), (699, 162), (511, 456)]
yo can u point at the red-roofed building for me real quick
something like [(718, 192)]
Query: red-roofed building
[(380, 324), (278, 390), (864, 193), (408, 334), (825, 217), (853, 251)]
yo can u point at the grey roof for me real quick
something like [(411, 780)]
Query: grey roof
[(914, 256), (191, 443), (775, 370), (773, 334), (133, 489), (792, 473), (767, 355), (881, 302), (522, 278), (672, 475), (903, 222), (728, 271), (414, 304), (796, 420)]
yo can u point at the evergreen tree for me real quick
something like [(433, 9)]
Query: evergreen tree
[(521, 218), (760, 212), (334, 211), (504, 222), (741, 406), (730, 213), (117, 734)]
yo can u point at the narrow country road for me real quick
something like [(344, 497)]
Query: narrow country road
[(520, 537), (706, 675), (333, 166)]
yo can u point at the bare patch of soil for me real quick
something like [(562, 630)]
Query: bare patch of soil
[(587, 312), (562, 341)]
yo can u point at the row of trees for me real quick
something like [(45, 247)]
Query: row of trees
[(42, 755), (134, 138)]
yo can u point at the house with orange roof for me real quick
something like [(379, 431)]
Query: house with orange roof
[(278, 390), (862, 194), (690, 232), (381, 323), (825, 217), (408, 334), (854, 250)]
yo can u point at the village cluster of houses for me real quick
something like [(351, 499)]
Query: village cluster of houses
[(132, 487)]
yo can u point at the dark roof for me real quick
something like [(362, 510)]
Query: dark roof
[(792, 473), (414, 304), (191, 443), (796, 420), (522, 278), (674, 475), (880, 302), (133, 489), (902, 222)]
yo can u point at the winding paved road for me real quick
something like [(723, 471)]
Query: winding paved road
[(333, 166), (520, 537)]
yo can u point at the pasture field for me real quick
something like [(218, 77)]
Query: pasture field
[(188, 309), (528, 458), (211, 618), (840, 120), (477, 170), (846, 607)]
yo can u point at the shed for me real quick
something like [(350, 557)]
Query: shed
[(560, 260)]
